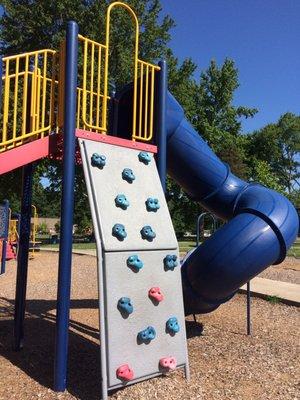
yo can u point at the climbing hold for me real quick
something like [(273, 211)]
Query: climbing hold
[(98, 160), (125, 373), (168, 363), (121, 201), (147, 233), (125, 305), (128, 175), (156, 294), (172, 326), (134, 262), (146, 335), (170, 262), (119, 232), (144, 157), (152, 204)]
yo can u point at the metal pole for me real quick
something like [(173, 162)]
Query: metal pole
[(161, 123), (67, 209), (23, 251), (1, 73), (248, 309), (5, 236)]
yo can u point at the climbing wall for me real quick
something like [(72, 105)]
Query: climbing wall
[(139, 268)]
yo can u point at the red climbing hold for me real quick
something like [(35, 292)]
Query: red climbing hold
[(156, 294), (168, 363), (125, 373)]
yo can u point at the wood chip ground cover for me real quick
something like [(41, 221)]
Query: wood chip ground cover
[(225, 363)]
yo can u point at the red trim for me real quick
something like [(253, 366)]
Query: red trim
[(97, 137), (25, 154)]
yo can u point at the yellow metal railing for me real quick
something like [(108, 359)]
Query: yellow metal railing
[(28, 97), (33, 91)]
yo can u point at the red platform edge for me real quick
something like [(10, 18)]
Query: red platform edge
[(97, 137), (26, 153)]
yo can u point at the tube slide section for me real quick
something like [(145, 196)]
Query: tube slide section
[(262, 223)]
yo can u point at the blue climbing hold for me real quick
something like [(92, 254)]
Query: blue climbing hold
[(121, 201), (134, 262), (172, 326), (98, 160), (147, 233), (125, 305), (152, 204), (128, 175), (119, 232), (146, 335), (144, 157), (170, 262)]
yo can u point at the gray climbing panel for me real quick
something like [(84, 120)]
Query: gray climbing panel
[(140, 292)]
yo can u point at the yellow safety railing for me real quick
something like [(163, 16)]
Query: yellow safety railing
[(28, 97), (33, 91), (92, 95)]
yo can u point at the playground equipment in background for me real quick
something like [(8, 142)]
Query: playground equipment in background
[(4, 226), (48, 92)]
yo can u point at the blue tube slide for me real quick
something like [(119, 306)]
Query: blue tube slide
[(262, 223)]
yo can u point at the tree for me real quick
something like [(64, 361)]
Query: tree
[(277, 146)]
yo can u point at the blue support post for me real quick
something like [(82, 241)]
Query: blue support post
[(67, 210), (162, 87), (23, 252), (4, 234), (248, 309)]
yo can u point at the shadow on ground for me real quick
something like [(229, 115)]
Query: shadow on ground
[(37, 357)]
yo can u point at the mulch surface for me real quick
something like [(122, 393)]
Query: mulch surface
[(225, 363)]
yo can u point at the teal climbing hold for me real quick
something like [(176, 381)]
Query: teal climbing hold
[(119, 232), (134, 262), (121, 201), (170, 262), (128, 175), (146, 335), (152, 204), (98, 160), (144, 157), (172, 326), (125, 305), (147, 233)]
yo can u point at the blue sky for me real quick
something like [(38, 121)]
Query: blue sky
[(261, 36)]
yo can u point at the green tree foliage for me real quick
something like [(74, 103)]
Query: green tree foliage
[(273, 155)]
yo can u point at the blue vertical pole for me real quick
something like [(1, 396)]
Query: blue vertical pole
[(23, 252), (67, 210), (161, 132), (5, 234), (248, 309)]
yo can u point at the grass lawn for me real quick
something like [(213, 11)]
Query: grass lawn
[(184, 247)]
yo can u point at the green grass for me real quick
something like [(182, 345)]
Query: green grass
[(78, 246), (273, 299), (184, 247)]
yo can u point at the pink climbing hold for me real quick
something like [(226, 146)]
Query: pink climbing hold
[(125, 373), (156, 294), (168, 363)]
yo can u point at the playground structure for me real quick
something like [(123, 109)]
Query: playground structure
[(10, 240), (50, 102)]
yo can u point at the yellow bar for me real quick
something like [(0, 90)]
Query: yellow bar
[(92, 84), (44, 91), (53, 82), (152, 102), (146, 104), (29, 53), (14, 131), (84, 82), (25, 94), (98, 87), (6, 103), (38, 99), (141, 102)]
